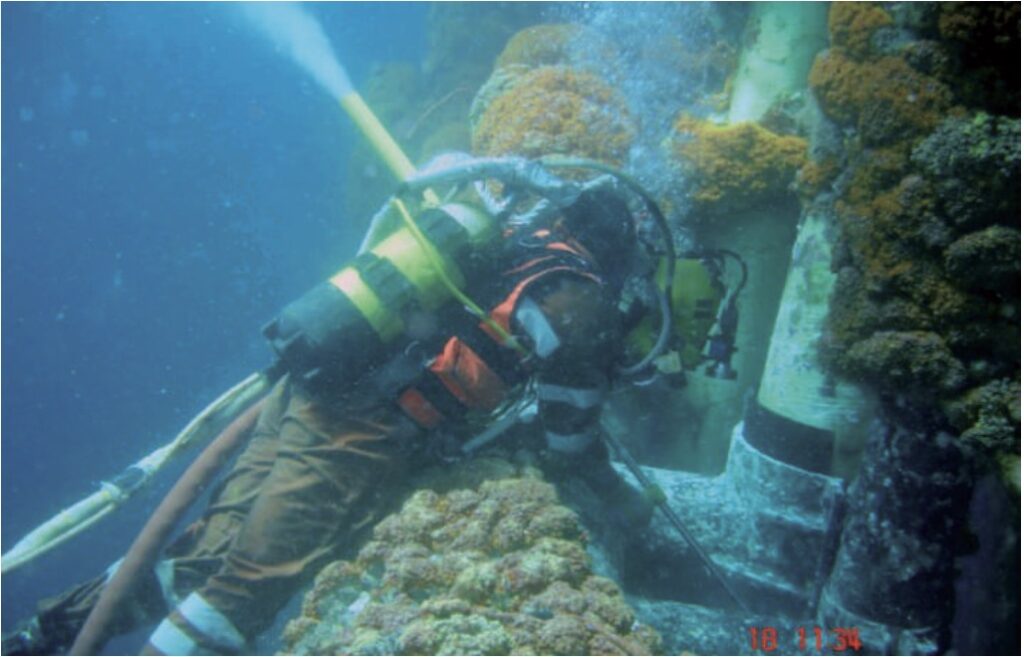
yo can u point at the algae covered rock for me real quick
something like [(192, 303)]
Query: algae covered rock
[(732, 168), (876, 89), (852, 25), (926, 303), (906, 362), (885, 99), (556, 110), (975, 165), (499, 569), (989, 416), (987, 260)]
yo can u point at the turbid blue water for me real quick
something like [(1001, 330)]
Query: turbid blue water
[(169, 182)]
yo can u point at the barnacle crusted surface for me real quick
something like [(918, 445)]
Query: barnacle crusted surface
[(926, 307), (556, 109), (734, 167), (502, 569)]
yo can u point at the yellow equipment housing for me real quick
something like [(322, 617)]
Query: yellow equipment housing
[(696, 295)]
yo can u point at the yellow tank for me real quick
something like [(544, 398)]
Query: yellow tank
[(696, 295)]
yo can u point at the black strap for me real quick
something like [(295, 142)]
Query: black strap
[(435, 392), (503, 361)]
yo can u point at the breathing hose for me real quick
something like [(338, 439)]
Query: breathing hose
[(145, 551), (534, 176)]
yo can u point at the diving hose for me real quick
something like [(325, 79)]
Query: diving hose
[(145, 551), (115, 492)]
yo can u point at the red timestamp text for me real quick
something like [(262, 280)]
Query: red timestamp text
[(837, 639)]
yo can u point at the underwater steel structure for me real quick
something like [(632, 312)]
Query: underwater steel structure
[(814, 558)]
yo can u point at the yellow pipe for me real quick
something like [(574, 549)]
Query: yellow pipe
[(381, 141), (399, 163)]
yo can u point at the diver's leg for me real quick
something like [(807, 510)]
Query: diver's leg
[(199, 551), (331, 479)]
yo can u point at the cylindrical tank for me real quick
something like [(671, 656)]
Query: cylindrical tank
[(346, 325), (813, 419)]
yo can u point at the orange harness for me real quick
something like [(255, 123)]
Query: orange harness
[(475, 370)]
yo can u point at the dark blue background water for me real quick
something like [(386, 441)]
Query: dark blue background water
[(169, 182)]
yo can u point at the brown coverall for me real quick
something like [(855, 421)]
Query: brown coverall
[(312, 480)]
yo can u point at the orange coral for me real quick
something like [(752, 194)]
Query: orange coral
[(885, 98), (734, 167), (815, 175), (901, 101), (556, 109), (837, 84), (851, 25)]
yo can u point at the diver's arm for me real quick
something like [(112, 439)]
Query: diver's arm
[(574, 332)]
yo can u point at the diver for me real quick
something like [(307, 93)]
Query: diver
[(353, 414)]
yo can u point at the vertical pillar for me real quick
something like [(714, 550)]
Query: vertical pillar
[(789, 35), (816, 420), (773, 66)]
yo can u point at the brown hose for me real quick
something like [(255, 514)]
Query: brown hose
[(145, 551)]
